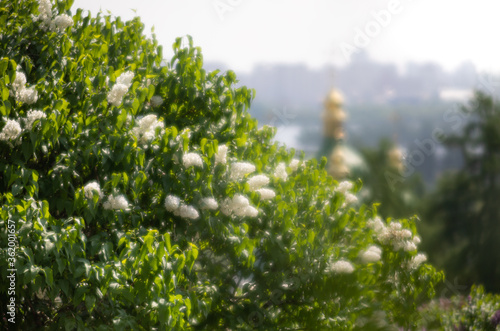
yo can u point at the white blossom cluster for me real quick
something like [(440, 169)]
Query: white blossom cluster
[(32, 116), (192, 159), (19, 81), (209, 203), (60, 22), (156, 101), (220, 157), (256, 182), (173, 204), (23, 94), (27, 95), (145, 128), (295, 164), (116, 202), (45, 9), (376, 225), (238, 206), (123, 82), (396, 236), (240, 169), (92, 188), (280, 171), (125, 78), (186, 211), (344, 188), (371, 255), (340, 267), (10, 131), (417, 260), (266, 193)]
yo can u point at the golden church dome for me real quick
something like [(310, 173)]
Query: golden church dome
[(334, 99), (333, 115), (395, 158), (337, 167)]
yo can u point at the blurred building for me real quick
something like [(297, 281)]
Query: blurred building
[(342, 160)]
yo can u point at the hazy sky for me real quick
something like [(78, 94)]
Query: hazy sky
[(243, 33)]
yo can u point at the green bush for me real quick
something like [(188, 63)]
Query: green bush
[(477, 312), (141, 195)]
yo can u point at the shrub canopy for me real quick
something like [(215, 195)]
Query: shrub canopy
[(142, 195)]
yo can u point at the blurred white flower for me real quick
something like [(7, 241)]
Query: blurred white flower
[(416, 240), (186, 211), (92, 188), (27, 95), (295, 164), (376, 225), (341, 267), (10, 131), (257, 181), (32, 116), (280, 171), (116, 203), (350, 199), (156, 101), (249, 211), (239, 206), (209, 203), (266, 194), (19, 81), (406, 233), (192, 159), (372, 254), (145, 128), (344, 187), (240, 169), (61, 22), (220, 157), (115, 96), (172, 203), (409, 246), (397, 237), (118, 91), (45, 9), (125, 78), (417, 260), (395, 226)]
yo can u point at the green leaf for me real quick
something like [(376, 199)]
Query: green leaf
[(49, 277), (5, 93), (151, 91), (90, 302), (121, 119), (135, 106), (79, 295)]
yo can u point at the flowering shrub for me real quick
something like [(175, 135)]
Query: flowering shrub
[(143, 196), (477, 312)]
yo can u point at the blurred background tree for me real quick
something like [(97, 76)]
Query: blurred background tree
[(398, 197), (462, 216)]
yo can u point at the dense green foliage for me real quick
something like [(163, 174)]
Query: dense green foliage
[(477, 312), (132, 190), (462, 215)]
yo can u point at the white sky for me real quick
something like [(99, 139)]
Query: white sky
[(311, 32)]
